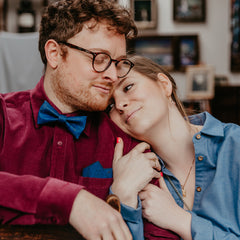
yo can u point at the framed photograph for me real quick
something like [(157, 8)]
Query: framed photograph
[(189, 10), (235, 43), (145, 13), (1, 16), (200, 82), (188, 51), (158, 48)]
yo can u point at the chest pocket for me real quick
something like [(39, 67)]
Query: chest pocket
[(96, 186)]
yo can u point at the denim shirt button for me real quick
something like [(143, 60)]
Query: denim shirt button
[(200, 158), (199, 189), (198, 136)]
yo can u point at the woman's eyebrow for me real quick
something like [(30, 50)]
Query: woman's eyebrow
[(120, 82)]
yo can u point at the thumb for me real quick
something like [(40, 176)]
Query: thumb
[(118, 151)]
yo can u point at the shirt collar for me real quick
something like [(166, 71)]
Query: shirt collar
[(211, 126), (38, 96)]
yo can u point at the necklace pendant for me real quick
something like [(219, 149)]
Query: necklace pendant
[(184, 192)]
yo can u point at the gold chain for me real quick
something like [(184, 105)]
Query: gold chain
[(183, 186)]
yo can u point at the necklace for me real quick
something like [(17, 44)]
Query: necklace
[(184, 193)]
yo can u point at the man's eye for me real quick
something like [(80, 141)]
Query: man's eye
[(128, 87)]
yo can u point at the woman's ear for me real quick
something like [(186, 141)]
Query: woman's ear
[(52, 51), (165, 83)]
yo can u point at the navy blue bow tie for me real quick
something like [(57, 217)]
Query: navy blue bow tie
[(75, 125)]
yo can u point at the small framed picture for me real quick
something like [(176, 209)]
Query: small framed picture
[(200, 82), (2, 20), (188, 51), (189, 10), (158, 48), (145, 13)]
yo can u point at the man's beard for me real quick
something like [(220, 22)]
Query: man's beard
[(77, 100)]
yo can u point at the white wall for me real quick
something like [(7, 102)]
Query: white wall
[(214, 34)]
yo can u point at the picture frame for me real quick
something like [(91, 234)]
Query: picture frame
[(1, 16), (200, 82), (189, 11), (145, 13), (187, 51), (160, 49), (235, 42)]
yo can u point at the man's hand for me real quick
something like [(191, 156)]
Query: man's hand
[(94, 219)]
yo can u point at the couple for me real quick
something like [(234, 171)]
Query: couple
[(44, 157)]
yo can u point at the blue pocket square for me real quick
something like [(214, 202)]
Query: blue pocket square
[(96, 170)]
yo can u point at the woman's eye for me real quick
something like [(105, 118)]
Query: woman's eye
[(128, 87)]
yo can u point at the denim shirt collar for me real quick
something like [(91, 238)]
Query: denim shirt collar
[(211, 126)]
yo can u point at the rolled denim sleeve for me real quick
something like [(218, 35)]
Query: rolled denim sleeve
[(133, 218), (204, 229)]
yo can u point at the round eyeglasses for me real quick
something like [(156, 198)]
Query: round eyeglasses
[(101, 61)]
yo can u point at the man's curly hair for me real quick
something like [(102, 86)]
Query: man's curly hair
[(63, 19)]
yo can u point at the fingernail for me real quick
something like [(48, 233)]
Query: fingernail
[(118, 140), (161, 173)]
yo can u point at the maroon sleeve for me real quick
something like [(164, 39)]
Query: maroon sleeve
[(28, 200)]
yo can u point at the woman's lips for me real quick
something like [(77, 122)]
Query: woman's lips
[(129, 116)]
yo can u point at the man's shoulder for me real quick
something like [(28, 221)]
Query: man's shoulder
[(15, 99), (107, 125)]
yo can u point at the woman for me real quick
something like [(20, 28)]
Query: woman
[(198, 196)]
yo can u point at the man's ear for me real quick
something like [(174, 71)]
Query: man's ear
[(52, 51), (165, 83)]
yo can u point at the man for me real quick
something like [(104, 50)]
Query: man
[(44, 159)]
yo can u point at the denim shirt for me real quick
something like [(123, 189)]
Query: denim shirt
[(216, 208)]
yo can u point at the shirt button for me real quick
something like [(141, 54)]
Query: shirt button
[(198, 136), (59, 143), (200, 158), (199, 189)]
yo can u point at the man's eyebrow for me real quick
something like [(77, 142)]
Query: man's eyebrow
[(106, 51)]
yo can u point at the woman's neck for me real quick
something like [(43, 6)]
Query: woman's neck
[(173, 143)]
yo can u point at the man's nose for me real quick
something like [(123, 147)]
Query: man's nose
[(111, 73)]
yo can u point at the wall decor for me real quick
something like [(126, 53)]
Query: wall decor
[(235, 44), (200, 82), (188, 51), (173, 52), (159, 49), (145, 13), (189, 10), (3, 10)]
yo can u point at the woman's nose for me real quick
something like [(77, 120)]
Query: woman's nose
[(121, 105)]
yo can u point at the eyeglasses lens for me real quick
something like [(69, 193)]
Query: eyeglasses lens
[(102, 61)]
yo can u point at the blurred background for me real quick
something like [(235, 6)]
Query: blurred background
[(197, 41)]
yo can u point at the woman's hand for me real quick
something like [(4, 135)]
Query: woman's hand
[(132, 172), (160, 208)]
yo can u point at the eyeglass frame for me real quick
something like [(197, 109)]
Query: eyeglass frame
[(94, 54)]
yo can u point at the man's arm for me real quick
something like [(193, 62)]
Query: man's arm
[(28, 200), (95, 219)]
